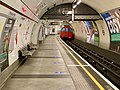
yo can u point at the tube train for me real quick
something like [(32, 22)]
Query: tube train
[(67, 33)]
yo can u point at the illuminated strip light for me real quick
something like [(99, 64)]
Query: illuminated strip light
[(39, 3), (77, 4), (74, 6), (75, 0)]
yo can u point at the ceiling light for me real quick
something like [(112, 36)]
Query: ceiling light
[(70, 21), (69, 12), (79, 2), (74, 6), (75, 0)]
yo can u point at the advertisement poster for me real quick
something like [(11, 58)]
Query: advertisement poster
[(3, 56), (92, 33), (7, 33), (2, 22), (112, 19), (5, 39)]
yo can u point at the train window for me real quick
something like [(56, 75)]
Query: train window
[(62, 29), (70, 30), (67, 29)]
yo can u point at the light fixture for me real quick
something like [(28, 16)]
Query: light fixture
[(76, 2), (70, 21), (74, 6), (69, 12), (79, 2)]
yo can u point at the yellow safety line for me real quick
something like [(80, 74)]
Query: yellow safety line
[(88, 73)]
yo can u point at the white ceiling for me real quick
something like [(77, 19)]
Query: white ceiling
[(103, 5), (40, 6)]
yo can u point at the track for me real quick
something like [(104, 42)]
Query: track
[(102, 64)]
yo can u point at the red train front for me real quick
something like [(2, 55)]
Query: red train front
[(67, 33)]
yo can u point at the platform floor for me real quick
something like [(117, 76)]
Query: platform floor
[(52, 68)]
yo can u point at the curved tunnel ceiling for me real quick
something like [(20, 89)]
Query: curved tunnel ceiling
[(59, 12), (64, 12), (39, 7)]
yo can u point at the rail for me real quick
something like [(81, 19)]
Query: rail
[(101, 63)]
